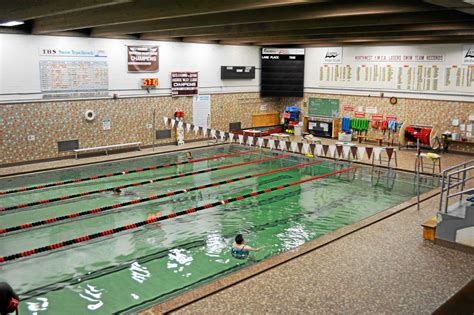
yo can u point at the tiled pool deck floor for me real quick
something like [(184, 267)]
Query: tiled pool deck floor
[(378, 267)]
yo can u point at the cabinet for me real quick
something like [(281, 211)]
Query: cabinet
[(325, 127)]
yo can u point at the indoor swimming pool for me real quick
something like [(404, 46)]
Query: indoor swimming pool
[(75, 246)]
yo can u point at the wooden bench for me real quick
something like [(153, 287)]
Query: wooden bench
[(108, 147), (429, 229), (365, 138)]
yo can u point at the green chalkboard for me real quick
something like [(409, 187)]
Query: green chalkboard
[(323, 107)]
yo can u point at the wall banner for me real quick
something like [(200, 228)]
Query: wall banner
[(333, 55), (468, 55), (184, 83), (61, 52), (142, 58)]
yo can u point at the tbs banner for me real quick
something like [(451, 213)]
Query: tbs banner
[(142, 58)]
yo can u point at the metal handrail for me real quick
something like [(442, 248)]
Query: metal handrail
[(458, 165), (461, 192), (461, 182), (458, 174), (461, 170)]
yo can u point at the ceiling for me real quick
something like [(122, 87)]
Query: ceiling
[(264, 22)]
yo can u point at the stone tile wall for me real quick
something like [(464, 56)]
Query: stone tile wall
[(51, 122), (55, 121), (414, 111)]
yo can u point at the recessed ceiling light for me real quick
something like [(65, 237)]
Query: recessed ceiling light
[(12, 23)]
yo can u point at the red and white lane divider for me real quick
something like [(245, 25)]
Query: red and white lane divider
[(150, 181), (138, 170), (133, 202), (136, 225)]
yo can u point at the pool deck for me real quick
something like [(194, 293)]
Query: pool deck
[(376, 266)]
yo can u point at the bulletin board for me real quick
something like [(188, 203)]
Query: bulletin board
[(323, 107)]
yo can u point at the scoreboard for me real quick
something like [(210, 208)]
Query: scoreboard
[(282, 72), (236, 72)]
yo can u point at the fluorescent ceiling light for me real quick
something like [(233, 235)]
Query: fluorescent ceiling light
[(12, 23)]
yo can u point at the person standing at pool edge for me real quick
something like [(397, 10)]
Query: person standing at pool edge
[(240, 249), (8, 299)]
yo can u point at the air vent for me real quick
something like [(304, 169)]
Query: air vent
[(163, 134), (68, 145), (235, 126)]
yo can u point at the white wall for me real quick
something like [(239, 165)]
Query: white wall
[(20, 74)]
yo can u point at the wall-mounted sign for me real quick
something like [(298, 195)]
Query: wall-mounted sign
[(359, 114), (468, 55), (371, 110), (399, 58), (142, 58), (184, 83), (237, 72), (377, 116), (150, 82), (59, 52), (348, 108), (106, 124), (333, 55), (392, 118)]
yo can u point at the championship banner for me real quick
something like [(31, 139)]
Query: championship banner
[(184, 83), (142, 58)]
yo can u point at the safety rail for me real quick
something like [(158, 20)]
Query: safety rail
[(455, 177)]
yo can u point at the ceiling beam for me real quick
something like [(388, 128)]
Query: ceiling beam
[(459, 5), (408, 28), (365, 43), (291, 13), (330, 41), (143, 10), (317, 24), (22, 10), (351, 36)]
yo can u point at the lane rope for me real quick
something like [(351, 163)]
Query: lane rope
[(150, 181), (136, 225), (137, 201), (138, 170)]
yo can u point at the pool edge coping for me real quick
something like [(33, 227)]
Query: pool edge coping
[(253, 270)]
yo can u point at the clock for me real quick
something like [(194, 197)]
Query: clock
[(149, 82), (393, 100)]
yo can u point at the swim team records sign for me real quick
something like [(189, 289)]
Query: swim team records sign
[(184, 83), (142, 58)]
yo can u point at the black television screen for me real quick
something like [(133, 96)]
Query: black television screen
[(282, 72)]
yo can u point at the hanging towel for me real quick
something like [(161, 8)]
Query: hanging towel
[(346, 124)]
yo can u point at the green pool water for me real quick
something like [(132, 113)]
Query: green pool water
[(132, 270)]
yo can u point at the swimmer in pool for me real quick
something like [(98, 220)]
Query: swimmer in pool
[(8, 299), (119, 192), (189, 155), (240, 249), (152, 215)]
